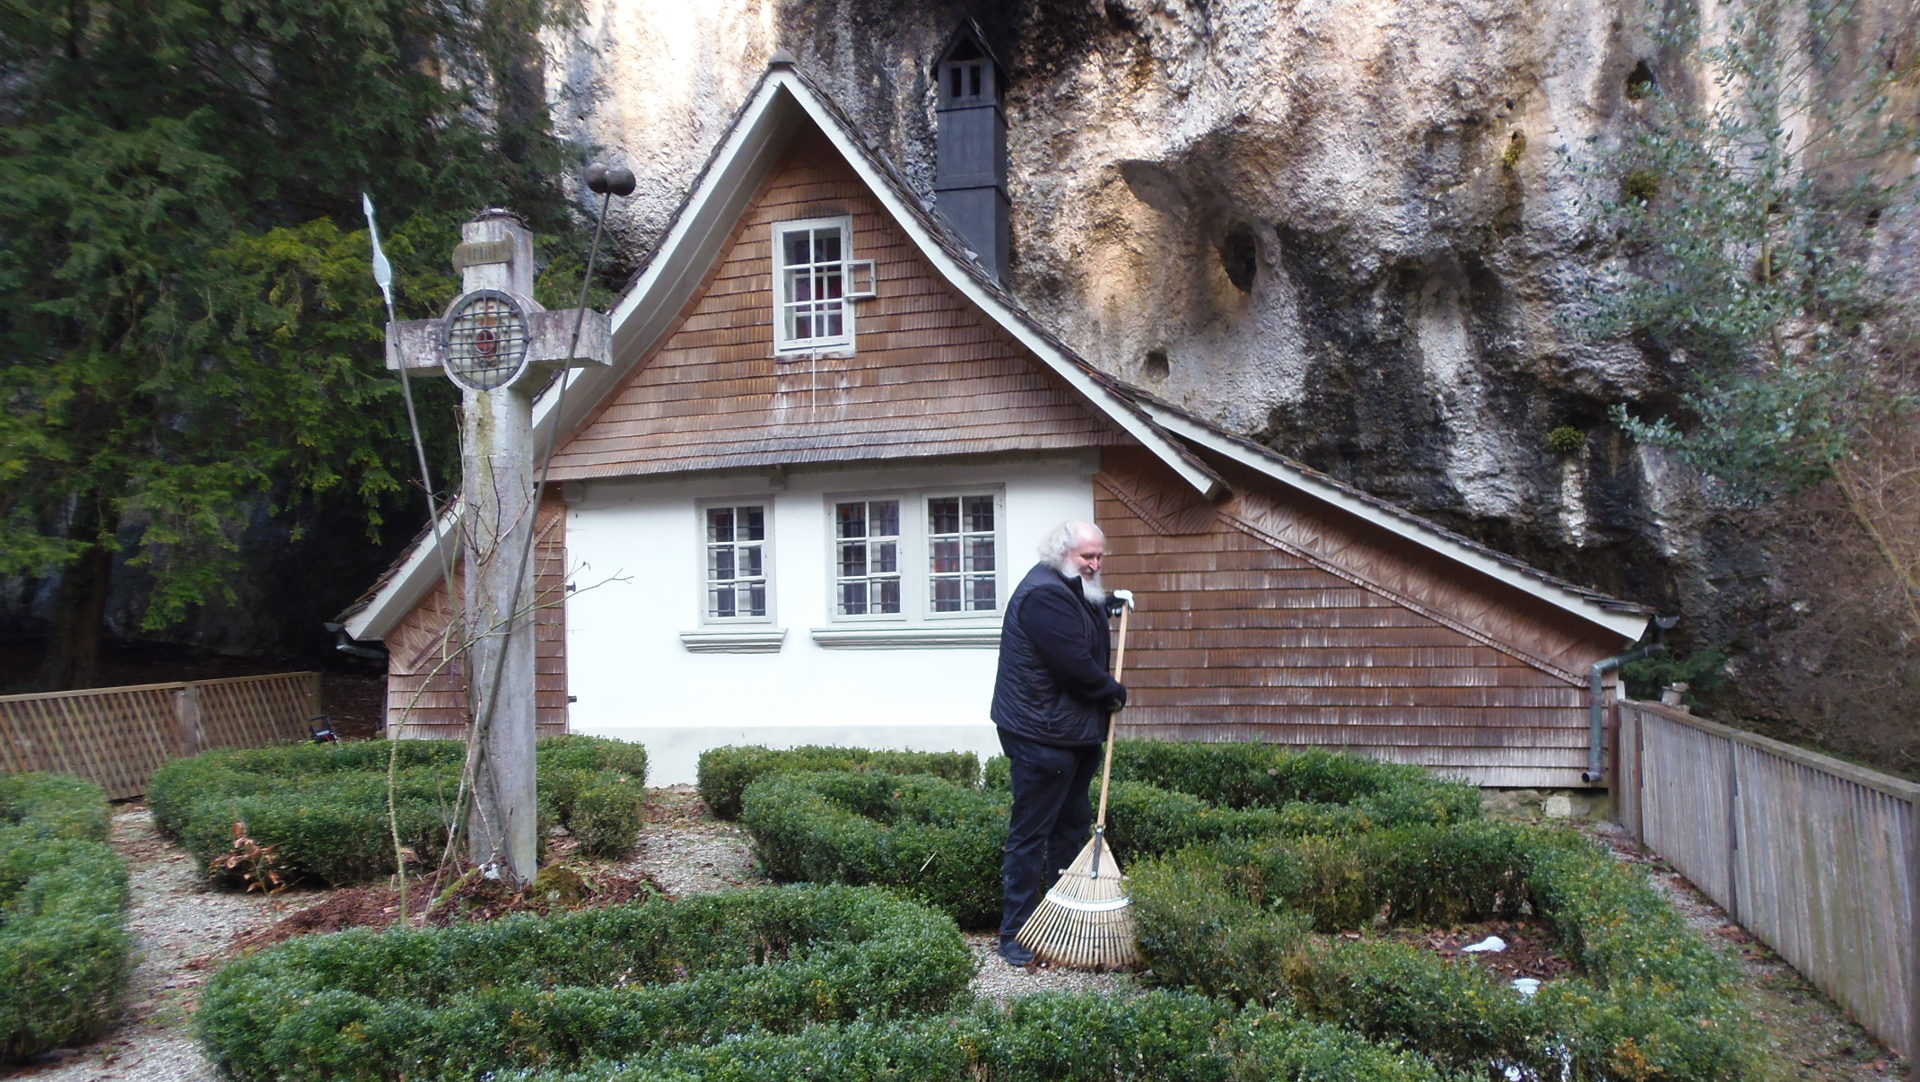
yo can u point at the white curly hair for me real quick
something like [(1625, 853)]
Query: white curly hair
[(1053, 547)]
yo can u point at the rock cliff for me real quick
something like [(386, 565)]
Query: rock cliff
[(1347, 228)]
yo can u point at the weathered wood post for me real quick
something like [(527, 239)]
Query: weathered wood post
[(490, 337)]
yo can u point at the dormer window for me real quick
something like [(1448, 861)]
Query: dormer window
[(811, 283)]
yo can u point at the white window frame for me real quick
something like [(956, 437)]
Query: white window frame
[(900, 565), (915, 560), (702, 509), (785, 344), (927, 572)]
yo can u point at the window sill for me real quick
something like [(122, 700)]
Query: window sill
[(838, 352), (908, 638), (759, 640)]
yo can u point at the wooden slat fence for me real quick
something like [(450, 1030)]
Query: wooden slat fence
[(1814, 856), (118, 737)]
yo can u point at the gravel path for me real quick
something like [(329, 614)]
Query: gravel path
[(176, 923)]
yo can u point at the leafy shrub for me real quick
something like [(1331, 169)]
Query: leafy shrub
[(1319, 791), (1234, 920), (940, 842), (55, 805), (997, 774), (63, 907), (1158, 1036), (1144, 819), (323, 808), (1352, 791), (725, 773), (928, 838), (560, 991)]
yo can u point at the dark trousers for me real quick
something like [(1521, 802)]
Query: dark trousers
[(1051, 819)]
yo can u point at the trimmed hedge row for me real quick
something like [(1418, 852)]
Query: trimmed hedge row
[(323, 807), (63, 909), (557, 992), (939, 843), (1657, 1002), (928, 838), (725, 773), (1319, 791), (1156, 1037)]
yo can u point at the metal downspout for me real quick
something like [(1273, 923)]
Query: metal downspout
[(1595, 700), (348, 647)]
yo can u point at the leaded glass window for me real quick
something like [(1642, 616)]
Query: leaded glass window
[(736, 562), (962, 554), (866, 578)]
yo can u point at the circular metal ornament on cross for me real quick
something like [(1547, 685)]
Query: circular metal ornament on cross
[(484, 340)]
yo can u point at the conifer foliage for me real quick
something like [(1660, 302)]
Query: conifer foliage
[(189, 331)]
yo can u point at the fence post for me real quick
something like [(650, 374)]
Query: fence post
[(1913, 949), (1639, 776), (186, 711), (1733, 832)]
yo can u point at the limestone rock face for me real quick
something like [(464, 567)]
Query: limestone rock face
[(1346, 228)]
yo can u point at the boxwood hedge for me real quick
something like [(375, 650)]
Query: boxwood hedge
[(939, 841), (1318, 790), (1656, 1002), (323, 807), (1159, 1036), (63, 906), (555, 992), (726, 772), (928, 838)]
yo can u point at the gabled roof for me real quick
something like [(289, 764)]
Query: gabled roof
[(1626, 618), (670, 275)]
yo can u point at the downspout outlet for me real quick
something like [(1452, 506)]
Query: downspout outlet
[(1595, 705)]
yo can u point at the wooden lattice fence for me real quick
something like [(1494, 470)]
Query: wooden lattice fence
[(118, 737)]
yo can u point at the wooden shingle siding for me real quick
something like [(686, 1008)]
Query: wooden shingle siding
[(426, 685), (928, 375), (1241, 638)]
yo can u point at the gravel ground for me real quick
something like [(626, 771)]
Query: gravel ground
[(176, 923)]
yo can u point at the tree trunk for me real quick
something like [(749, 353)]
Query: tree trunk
[(80, 604)]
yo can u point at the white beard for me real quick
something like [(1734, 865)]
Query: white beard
[(1094, 590)]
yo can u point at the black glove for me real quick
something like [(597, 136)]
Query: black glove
[(1115, 606), (1115, 703)]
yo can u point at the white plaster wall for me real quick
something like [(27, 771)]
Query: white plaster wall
[(634, 554)]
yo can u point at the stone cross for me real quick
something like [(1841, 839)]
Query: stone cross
[(490, 339)]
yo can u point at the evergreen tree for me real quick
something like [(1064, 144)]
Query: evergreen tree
[(188, 323)]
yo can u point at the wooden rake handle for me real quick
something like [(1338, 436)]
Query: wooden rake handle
[(1113, 724)]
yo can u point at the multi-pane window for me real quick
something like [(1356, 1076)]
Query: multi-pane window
[(961, 546), (736, 562), (916, 556), (810, 285), (866, 579)]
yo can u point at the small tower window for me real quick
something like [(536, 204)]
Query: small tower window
[(965, 72)]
